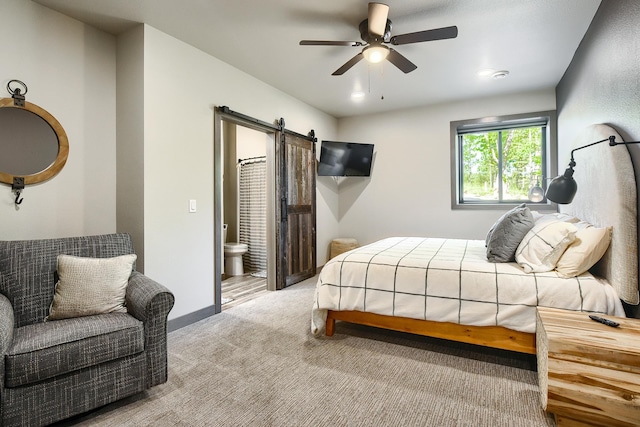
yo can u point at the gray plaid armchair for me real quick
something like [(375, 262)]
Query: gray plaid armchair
[(53, 370)]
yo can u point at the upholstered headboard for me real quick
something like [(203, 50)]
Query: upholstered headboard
[(607, 197)]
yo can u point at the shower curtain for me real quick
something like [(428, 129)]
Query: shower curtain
[(253, 212)]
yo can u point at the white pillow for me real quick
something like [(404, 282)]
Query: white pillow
[(88, 286), (543, 245), (556, 216), (589, 246)]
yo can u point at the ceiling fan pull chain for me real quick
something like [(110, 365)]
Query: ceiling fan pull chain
[(382, 82)]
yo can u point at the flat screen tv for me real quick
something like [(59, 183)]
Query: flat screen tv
[(345, 159)]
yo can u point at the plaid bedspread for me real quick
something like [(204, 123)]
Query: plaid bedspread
[(449, 280)]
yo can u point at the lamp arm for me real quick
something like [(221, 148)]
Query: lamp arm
[(611, 140)]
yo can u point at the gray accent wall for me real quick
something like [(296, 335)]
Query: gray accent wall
[(602, 83)]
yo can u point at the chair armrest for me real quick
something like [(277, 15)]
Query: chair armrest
[(6, 325), (6, 332), (147, 298), (150, 302)]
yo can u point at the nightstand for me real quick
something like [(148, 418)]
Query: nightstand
[(588, 373)]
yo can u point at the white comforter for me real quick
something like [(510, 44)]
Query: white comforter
[(449, 280)]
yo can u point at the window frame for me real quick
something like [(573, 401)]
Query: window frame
[(497, 123)]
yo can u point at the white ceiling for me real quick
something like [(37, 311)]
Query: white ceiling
[(533, 39)]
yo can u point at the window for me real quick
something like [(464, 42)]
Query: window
[(496, 161)]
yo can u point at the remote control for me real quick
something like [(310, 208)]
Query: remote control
[(604, 321)]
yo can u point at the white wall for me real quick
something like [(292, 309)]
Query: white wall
[(409, 191), (69, 69), (130, 137), (165, 140), (250, 143), (182, 85)]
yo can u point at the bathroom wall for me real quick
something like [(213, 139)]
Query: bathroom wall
[(230, 181), (239, 143), (250, 143)]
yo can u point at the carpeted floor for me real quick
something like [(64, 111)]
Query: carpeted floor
[(257, 364)]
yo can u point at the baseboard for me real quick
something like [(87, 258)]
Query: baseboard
[(196, 316), (188, 319)]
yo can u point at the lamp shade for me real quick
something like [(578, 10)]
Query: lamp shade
[(375, 53), (536, 194), (562, 188)]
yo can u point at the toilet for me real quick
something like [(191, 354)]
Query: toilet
[(233, 256)]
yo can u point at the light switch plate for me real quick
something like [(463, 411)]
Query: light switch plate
[(192, 205)]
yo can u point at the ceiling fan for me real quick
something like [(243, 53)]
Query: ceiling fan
[(375, 31)]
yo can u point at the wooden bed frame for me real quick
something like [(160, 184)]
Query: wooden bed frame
[(488, 336), (619, 265)]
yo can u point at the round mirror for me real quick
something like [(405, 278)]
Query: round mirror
[(33, 144)]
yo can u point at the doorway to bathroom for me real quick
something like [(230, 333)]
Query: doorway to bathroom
[(289, 160), (246, 183)]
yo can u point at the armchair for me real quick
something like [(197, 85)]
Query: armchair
[(54, 369)]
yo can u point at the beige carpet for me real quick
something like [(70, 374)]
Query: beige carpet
[(258, 365)]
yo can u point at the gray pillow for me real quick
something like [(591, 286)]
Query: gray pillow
[(507, 233)]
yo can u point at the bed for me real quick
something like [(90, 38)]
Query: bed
[(446, 288)]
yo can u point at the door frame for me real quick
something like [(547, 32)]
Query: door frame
[(224, 114)]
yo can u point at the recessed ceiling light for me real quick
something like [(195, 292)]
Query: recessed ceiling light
[(500, 74)]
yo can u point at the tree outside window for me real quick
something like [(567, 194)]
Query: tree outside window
[(495, 161), (502, 165)]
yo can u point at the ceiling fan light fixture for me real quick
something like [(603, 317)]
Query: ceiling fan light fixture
[(375, 53), (375, 32)]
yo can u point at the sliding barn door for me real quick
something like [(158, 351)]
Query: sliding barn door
[(296, 193)]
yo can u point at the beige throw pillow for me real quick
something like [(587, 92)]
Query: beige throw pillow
[(590, 245), (543, 245), (88, 286)]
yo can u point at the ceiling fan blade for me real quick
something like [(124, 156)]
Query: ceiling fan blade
[(378, 13), (400, 61), (425, 36), (350, 63), (329, 43)]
